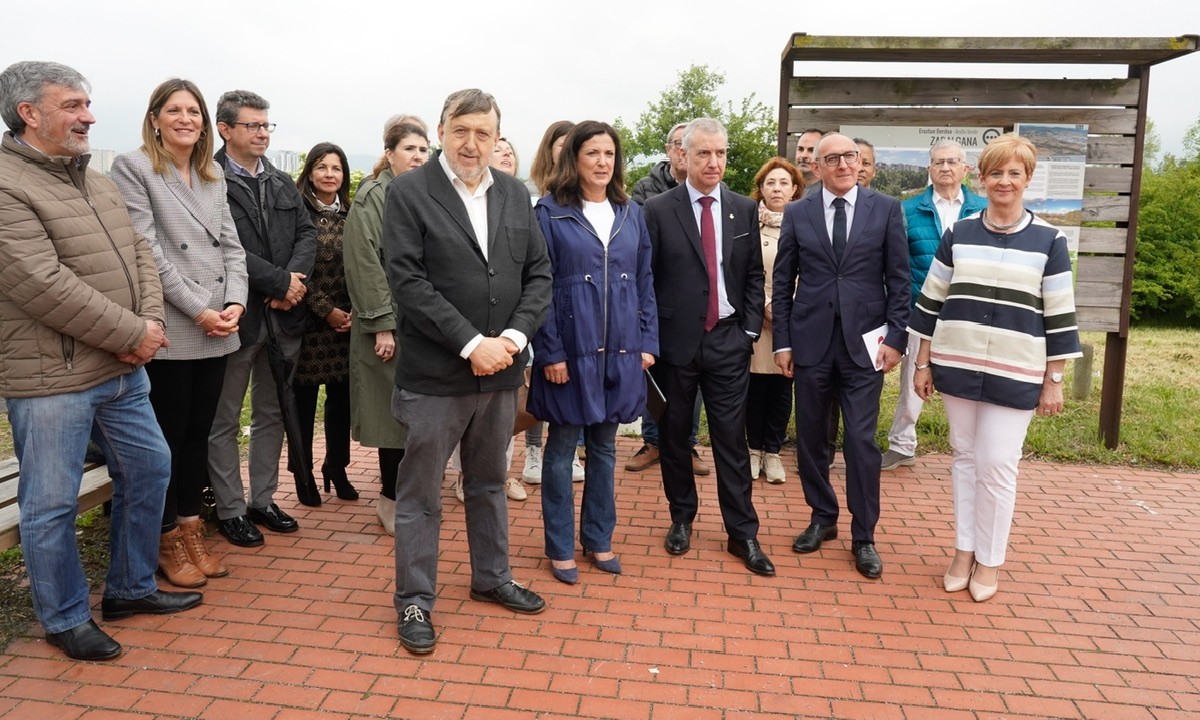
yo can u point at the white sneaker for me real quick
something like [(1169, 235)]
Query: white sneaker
[(756, 457), (576, 470), (512, 487), (532, 473), (458, 491), (773, 467)]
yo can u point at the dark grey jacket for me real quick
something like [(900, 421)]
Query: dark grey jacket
[(657, 182), (291, 244), (446, 292)]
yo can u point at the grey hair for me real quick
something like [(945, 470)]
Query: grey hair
[(26, 81), (232, 102), (944, 143), (667, 139), (707, 126), (864, 141), (468, 102)]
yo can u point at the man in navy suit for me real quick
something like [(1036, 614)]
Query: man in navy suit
[(708, 279), (841, 271)]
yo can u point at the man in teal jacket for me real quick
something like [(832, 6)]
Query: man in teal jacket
[(926, 217)]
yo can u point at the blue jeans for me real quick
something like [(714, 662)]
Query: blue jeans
[(51, 437), (598, 515), (650, 428)]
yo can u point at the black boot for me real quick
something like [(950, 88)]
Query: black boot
[(345, 491)]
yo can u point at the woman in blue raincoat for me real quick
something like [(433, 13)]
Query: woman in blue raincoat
[(599, 336)]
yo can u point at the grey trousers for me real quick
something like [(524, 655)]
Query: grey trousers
[(248, 366), (435, 424)]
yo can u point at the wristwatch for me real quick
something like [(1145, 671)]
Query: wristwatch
[(1054, 377)]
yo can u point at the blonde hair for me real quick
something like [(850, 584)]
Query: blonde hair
[(202, 151), (1005, 148)]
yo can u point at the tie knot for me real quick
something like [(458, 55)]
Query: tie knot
[(706, 201), (839, 202)]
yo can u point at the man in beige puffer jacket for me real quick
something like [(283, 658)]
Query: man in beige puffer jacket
[(81, 311)]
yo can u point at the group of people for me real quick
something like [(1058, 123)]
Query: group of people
[(137, 310)]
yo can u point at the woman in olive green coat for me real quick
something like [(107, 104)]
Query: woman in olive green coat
[(373, 338)]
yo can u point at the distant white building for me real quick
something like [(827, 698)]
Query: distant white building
[(288, 161), (102, 160)]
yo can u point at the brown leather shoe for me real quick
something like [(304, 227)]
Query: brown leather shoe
[(193, 542), (642, 459), (698, 466), (174, 563)]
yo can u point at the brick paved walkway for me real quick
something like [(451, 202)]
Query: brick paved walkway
[(1098, 617)]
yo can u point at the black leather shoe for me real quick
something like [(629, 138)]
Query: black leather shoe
[(416, 631), (512, 596), (751, 553), (866, 560), (274, 518), (85, 642), (679, 538), (810, 540), (159, 602), (240, 531)]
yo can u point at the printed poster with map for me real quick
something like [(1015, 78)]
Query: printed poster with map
[(1055, 191), (902, 153)]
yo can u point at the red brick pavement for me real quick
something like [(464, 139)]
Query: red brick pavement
[(1098, 617)]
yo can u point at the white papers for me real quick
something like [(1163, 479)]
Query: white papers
[(873, 340)]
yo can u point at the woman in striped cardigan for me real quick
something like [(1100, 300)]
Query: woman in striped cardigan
[(996, 318)]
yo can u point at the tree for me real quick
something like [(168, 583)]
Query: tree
[(1166, 286), (751, 126)]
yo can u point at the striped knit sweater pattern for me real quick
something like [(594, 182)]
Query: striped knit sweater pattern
[(997, 307)]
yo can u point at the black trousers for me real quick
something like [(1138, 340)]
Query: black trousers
[(184, 395), (768, 409), (337, 422), (389, 465), (721, 371)]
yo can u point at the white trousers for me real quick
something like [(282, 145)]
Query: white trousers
[(987, 441), (902, 437)]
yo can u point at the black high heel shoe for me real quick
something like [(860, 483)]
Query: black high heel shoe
[(345, 491)]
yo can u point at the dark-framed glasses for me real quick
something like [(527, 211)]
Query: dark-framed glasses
[(255, 127), (835, 160)]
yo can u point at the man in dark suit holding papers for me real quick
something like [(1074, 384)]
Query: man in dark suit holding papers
[(841, 271)]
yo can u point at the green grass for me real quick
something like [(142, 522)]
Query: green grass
[(1160, 424)]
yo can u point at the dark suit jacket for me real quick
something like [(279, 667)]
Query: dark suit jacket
[(290, 245), (446, 292), (870, 286), (680, 276)]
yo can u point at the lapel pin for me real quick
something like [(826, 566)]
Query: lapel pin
[(730, 216)]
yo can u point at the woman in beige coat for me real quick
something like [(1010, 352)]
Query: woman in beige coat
[(769, 401), (372, 335)]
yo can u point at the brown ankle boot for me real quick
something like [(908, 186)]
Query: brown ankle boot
[(193, 542), (174, 564)]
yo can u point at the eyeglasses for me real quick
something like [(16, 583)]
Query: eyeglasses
[(948, 162), (835, 160), (675, 143), (255, 127)]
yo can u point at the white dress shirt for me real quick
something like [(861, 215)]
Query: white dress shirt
[(724, 307)]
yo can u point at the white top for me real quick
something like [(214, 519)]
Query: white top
[(947, 210), (602, 217)]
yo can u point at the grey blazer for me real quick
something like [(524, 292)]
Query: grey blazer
[(200, 260), (447, 292)]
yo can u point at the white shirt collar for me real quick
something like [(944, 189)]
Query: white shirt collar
[(851, 196)]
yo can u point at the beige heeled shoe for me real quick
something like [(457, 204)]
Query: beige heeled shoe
[(980, 592), (955, 584)]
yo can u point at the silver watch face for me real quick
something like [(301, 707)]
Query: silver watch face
[(1056, 377)]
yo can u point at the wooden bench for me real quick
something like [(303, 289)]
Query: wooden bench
[(95, 489)]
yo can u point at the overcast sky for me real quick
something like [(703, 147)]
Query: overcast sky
[(336, 70)]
